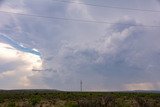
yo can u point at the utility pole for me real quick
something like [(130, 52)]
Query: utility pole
[(81, 86)]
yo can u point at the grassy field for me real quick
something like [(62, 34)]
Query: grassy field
[(49, 98)]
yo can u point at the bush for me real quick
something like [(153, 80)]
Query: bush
[(35, 100), (1, 99)]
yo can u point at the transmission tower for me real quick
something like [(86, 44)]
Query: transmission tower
[(81, 83)]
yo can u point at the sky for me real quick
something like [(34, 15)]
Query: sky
[(41, 50)]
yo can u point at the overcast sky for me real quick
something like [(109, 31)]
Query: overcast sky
[(41, 52)]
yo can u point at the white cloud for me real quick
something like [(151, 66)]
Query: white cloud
[(143, 86), (7, 73), (139, 86), (16, 67), (75, 10), (12, 6)]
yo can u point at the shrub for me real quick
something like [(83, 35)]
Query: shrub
[(35, 100), (1, 99)]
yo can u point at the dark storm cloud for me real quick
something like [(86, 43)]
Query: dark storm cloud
[(1, 2)]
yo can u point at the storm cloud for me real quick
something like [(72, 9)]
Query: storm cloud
[(115, 56)]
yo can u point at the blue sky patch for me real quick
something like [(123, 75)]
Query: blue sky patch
[(17, 45)]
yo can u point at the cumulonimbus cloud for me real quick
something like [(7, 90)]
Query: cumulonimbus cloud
[(126, 57), (120, 60)]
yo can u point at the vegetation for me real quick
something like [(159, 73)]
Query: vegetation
[(48, 98)]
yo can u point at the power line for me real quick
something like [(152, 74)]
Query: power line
[(75, 20), (109, 6)]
